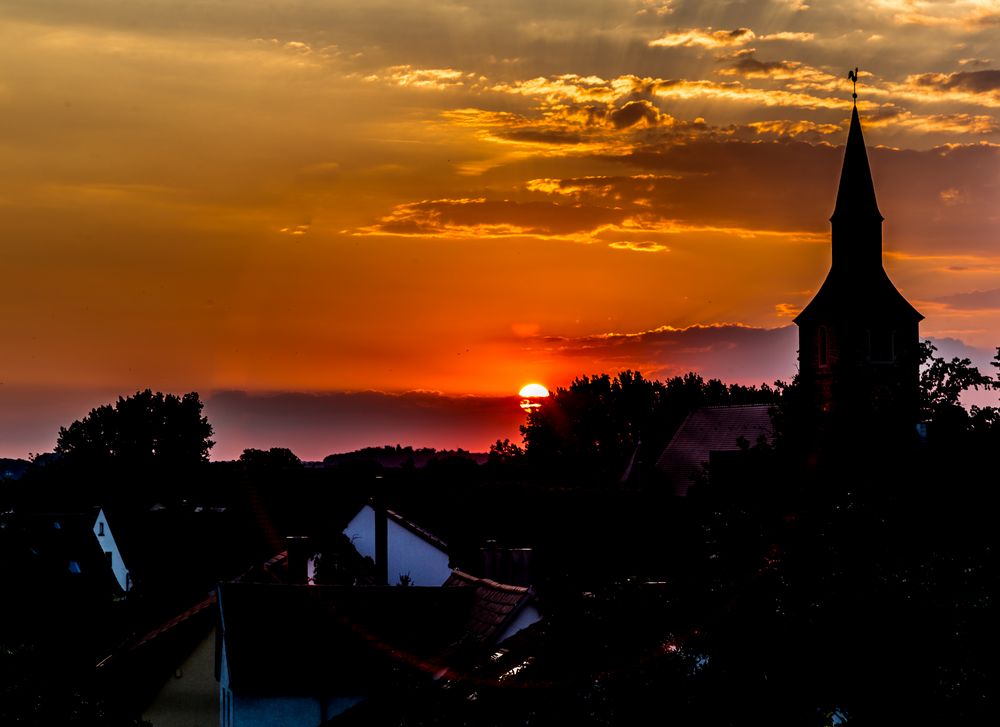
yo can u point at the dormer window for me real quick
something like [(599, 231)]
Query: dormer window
[(823, 347), (100, 529)]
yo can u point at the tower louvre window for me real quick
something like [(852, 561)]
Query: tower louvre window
[(881, 345)]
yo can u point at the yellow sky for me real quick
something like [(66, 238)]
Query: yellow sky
[(323, 196)]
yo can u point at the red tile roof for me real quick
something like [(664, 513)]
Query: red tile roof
[(494, 607)]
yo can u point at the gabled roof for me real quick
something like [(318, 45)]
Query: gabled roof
[(141, 664), (495, 605), (179, 553), (711, 429), (61, 546)]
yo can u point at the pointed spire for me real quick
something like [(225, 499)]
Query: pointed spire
[(856, 195)]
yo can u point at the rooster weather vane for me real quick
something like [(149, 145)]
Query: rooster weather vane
[(853, 75)]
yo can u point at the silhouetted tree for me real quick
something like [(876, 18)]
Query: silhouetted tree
[(275, 458), (594, 426), (141, 430), (942, 384), (504, 452)]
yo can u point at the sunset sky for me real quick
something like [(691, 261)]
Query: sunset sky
[(306, 209)]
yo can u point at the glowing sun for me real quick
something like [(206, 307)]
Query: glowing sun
[(531, 394), (533, 391)]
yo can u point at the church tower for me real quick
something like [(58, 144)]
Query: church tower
[(858, 337)]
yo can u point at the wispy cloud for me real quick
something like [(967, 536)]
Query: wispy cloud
[(734, 352), (796, 74), (704, 38), (739, 93), (493, 218), (964, 14), (709, 38), (429, 78), (626, 213), (976, 300), (792, 129), (889, 115), (658, 8), (975, 87)]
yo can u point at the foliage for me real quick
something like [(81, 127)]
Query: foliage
[(597, 424), (39, 689), (942, 384), (141, 430), (275, 458), (505, 452)]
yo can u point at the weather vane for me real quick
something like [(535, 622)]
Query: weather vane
[(853, 75)]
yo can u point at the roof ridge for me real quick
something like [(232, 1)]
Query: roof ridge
[(417, 529)]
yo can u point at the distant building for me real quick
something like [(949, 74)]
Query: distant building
[(858, 337), (499, 610), (112, 553), (168, 672), (706, 434), (79, 544)]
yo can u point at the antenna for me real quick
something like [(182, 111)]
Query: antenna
[(853, 75)]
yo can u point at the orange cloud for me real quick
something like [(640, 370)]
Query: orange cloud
[(708, 38), (745, 64), (638, 212), (429, 78), (639, 245), (976, 87), (655, 7), (964, 14), (737, 92), (889, 115), (491, 218), (976, 300), (792, 129), (734, 352), (704, 38)]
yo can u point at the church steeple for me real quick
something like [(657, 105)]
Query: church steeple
[(856, 220), (858, 337), (856, 194)]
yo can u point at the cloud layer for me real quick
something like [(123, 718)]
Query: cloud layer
[(340, 196)]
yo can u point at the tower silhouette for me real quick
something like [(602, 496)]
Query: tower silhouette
[(858, 337)]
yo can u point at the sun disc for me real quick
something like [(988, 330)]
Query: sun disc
[(532, 391)]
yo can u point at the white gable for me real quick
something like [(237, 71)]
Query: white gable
[(409, 554), (103, 532)]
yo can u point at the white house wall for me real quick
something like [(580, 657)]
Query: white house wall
[(190, 697), (409, 554), (527, 616), (108, 545), (271, 711)]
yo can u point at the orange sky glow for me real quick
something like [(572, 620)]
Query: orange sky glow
[(303, 201)]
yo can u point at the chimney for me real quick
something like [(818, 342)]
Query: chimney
[(381, 542), (298, 558), (491, 556), (513, 566)]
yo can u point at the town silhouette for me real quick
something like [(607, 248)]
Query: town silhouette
[(685, 551)]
